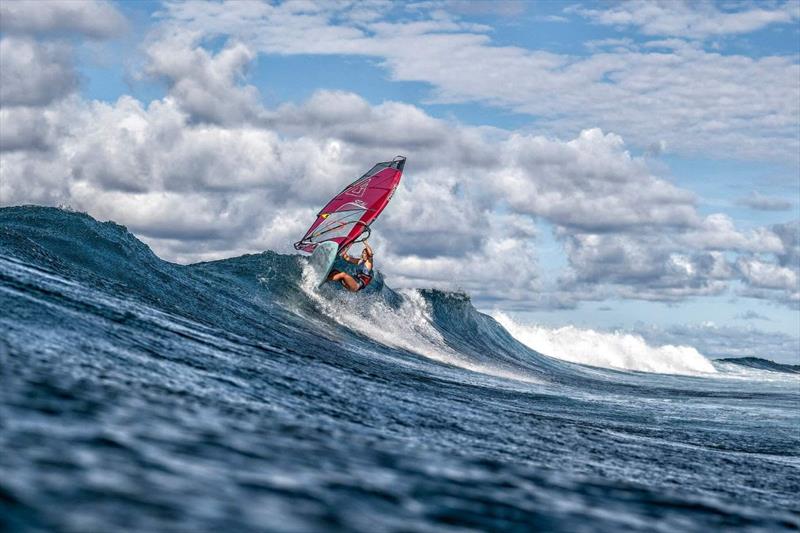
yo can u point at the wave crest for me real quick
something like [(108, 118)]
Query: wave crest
[(615, 350)]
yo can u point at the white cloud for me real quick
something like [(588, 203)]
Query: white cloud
[(24, 128), (501, 266), (34, 73), (775, 278), (590, 183), (700, 19), (95, 19), (729, 341), (765, 203), (767, 275), (646, 266), (207, 86), (717, 232), (35, 70), (198, 186), (693, 101), (199, 191)]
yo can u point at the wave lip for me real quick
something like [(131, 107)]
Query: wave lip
[(614, 350)]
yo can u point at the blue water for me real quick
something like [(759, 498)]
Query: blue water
[(140, 395)]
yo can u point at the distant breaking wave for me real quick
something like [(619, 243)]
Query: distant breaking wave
[(617, 350)]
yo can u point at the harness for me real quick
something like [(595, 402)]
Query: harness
[(363, 276)]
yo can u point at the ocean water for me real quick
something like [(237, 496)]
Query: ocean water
[(140, 395)]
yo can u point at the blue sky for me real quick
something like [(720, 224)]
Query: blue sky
[(620, 164)]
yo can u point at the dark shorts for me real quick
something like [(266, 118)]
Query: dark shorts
[(362, 280)]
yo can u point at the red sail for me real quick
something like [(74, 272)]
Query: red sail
[(348, 215)]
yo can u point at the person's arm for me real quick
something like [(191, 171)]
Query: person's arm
[(346, 257), (369, 261)]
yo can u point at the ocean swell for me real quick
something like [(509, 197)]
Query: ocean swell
[(142, 395)]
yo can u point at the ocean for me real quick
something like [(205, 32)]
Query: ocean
[(141, 395)]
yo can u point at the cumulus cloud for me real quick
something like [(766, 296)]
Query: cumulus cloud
[(729, 341), (95, 19), (207, 86), (169, 179), (501, 266), (765, 275), (351, 118), (789, 234), (705, 102), (775, 277), (765, 203), (23, 128), (644, 266), (718, 232), (37, 64), (197, 184), (767, 280), (672, 264), (590, 183), (199, 191), (34, 73)]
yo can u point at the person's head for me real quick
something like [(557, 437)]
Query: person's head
[(366, 255)]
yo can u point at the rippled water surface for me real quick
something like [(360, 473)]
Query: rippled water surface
[(140, 395)]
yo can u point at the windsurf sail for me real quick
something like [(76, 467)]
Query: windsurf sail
[(347, 217)]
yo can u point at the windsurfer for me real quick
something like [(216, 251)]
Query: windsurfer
[(364, 270)]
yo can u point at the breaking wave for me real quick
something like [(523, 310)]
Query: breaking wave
[(617, 350)]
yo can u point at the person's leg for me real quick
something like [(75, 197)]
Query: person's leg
[(347, 280)]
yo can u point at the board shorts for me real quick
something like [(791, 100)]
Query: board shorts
[(363, 280)]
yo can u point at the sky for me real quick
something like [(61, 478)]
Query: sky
[(629, 166)]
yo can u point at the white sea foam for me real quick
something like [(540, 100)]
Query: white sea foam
[(617, 350), (409, 327)]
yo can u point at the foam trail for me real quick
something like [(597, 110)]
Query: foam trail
[(617, 350), (410, 327)]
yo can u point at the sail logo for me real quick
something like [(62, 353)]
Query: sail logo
[(359, 188), (355, 205)]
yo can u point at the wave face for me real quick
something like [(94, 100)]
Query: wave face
[(142, 395)]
